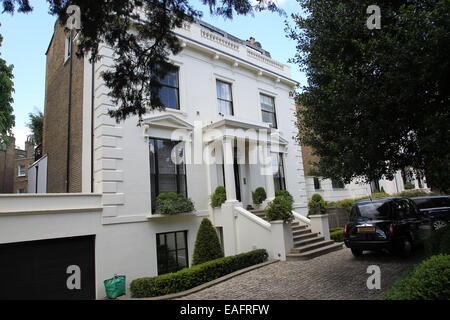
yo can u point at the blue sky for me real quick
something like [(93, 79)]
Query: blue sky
[(26, 38)]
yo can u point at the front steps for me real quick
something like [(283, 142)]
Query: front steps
[(307, 245)]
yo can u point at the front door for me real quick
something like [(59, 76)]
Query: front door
[(237, 178)]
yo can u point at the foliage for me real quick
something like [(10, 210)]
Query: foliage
[(207, 244), (337, 234), (348, 203), (191, 277), (259, 195), (415, 193), (142, 57), (316, 202), (279, 208), (409, 185), (7, 118), (285, 194), (438, 242), (385, 91), (430, 280), (36, 125), (218, 197), (172, 203)]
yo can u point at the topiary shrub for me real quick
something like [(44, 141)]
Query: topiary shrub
[(285, 194), (314, 203), (259, 195), (207, 245), (337, 234), (173, 203), (218, 197), (438, 242), (279, 209), (191, 277), (430, 280)]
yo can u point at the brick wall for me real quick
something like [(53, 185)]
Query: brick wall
[(55, 135)]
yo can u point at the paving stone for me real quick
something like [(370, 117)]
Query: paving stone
[(334, 276)]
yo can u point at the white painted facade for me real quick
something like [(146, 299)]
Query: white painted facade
[(119, 212)]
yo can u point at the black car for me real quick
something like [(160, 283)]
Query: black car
[(437, 208), (393, 224)]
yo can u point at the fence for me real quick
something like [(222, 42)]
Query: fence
[(337, 217)]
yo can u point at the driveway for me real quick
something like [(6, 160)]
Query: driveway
[(337, 275)]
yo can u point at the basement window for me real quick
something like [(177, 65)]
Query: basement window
[(172, 253)]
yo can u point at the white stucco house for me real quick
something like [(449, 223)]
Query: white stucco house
[(229, 121)]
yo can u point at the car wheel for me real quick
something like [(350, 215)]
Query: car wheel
[(439, 224), (357, 252), (406, 248)]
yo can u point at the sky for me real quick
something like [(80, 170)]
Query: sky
[(26, 38)]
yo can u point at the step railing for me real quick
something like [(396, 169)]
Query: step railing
[(301, 218), (253, 232)]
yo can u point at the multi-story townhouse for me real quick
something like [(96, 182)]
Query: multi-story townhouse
[(229, 121)]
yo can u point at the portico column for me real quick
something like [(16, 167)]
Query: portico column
[(228, 158), (268, 171)]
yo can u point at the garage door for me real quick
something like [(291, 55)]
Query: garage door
[(62, 268)]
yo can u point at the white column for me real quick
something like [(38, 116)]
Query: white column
[(230, 185), (268, 171)]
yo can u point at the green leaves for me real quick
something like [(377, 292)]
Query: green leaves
[(7, 119), (207, 245), (377, 100)]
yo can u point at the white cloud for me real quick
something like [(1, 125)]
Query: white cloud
[(21, 136)]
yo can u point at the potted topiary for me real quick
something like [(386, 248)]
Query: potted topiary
[(258, 196), (317, 205), (279, 208), (218, 197)]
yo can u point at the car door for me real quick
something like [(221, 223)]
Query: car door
[(419, 224)]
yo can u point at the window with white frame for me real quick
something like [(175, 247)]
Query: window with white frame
[(21, 171), (268, 110), (224, 98)]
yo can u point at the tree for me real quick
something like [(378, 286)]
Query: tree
[(36, 125), (377, 100), (141, 57), (207, 245), (7, 119)]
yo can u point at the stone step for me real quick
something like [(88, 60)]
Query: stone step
[(312, 246), (301, 237), (314, 253), (300, 232), (309, 241)]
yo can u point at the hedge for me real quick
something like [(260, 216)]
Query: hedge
[(173, 203), (259, 195), (218, 197), (430, 280), (438, 242), (337, 234), (188, 278)]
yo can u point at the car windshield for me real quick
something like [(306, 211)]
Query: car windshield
[(373, 210)]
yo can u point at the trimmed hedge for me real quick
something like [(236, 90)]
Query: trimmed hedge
[(430, 280), (173, 203), (438, 242), (207, 244), (285, 194), (188, 278), (337, 234)]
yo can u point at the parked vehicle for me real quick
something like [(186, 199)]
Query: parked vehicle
[(437, 208), (394, 224)]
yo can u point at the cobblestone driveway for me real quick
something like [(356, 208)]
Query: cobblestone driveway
[(337, 275)]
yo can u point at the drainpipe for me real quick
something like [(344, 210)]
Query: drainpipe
[(68, 112), (92, 126)]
